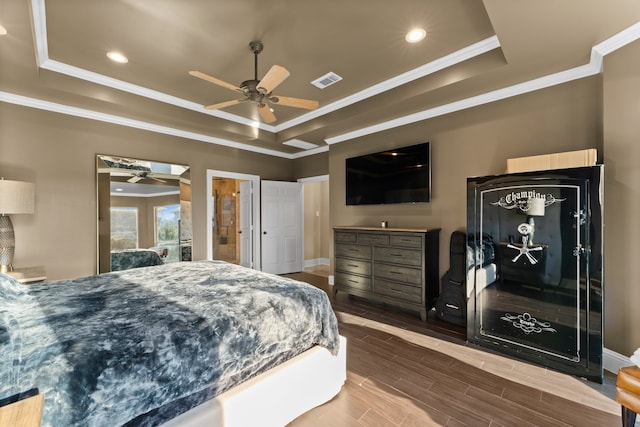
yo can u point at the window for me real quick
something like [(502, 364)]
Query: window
[(124, 228), (167, 230)]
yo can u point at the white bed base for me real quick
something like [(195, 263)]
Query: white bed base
[(276, 397)]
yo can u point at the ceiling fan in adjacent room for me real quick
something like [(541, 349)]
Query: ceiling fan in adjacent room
[(141, 175), (259, 91)]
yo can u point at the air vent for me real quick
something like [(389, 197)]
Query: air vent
[(326, 80)]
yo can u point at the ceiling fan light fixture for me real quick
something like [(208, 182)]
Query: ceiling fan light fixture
[(117, 57), (415, 35), (3, 30), (259, 91)]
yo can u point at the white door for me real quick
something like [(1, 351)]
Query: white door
[(245, 232), (281, 227)]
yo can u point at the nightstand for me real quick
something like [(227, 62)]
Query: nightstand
[(29, 274)]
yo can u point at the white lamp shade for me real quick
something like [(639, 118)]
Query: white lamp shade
[(16, 197), (536, 206)]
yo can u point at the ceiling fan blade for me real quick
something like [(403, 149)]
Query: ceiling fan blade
[(135, 179), (294, 102), (214, 80), (276, 75), (158, 179), (266, 114), (223, 104)]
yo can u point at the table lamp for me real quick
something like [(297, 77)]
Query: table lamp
[(16, 197)]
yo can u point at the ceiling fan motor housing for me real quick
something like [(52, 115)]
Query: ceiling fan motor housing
[(258, 91), (251, 91)]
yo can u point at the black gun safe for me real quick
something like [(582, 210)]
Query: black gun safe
[(535, 260)]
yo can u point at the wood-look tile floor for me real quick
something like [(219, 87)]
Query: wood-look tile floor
[(403, 372)]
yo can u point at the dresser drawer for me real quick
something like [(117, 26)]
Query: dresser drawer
[(399, 291), (406, 241), (353, 251), (407, 275), (353, 266), (343, 280), (373, 239), (346, 236), (398, 256)]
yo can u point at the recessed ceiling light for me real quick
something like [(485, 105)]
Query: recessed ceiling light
[(119, 189), (3, 30), (415, 35), (117, 57)]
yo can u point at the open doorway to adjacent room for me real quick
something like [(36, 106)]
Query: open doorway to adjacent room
[(233, 213), (317, 227)]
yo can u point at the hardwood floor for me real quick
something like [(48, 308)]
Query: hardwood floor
[(403, 372)]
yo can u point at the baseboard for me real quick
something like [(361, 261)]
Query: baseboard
[(315, 261), (612, 361)]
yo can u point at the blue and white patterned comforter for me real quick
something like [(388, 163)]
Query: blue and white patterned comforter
[(134, 258), (104, 350)]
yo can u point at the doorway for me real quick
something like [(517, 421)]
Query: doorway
[(232, 210), (225, 221), (317, 227)]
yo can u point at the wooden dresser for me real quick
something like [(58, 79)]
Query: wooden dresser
[(394, 266)]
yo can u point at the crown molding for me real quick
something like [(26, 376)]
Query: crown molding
[(40, 35), (446, 61), (474, 101), (595, 66), (137, 124)]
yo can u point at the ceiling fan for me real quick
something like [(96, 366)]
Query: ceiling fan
[(259, 91), (139, 176)]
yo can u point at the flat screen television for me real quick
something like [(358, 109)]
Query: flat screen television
[(399, 175)]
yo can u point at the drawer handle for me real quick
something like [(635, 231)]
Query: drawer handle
[(397, 255), (396, 291), (352, 281), (396, 272), (352, 265)]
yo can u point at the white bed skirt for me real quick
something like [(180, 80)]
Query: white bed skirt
[(276, 397), (484, 277)]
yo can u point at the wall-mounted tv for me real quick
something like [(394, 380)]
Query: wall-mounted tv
[(399, 175)]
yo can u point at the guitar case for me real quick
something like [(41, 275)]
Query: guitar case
[(452, 302)]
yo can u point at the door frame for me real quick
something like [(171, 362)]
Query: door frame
[(255, 214)]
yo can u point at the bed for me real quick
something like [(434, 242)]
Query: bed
[(134, 258), (186, 344)]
